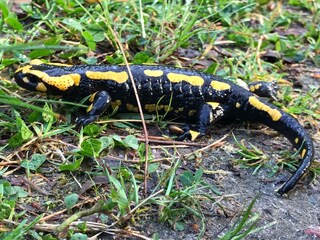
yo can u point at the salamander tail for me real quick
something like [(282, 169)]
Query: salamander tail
[(301, 140), (261, 111)]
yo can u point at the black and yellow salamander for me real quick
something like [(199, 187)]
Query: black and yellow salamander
[(182, 92)]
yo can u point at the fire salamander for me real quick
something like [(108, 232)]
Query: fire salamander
[(182, 92)]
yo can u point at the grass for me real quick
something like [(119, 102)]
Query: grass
[(40, 145)]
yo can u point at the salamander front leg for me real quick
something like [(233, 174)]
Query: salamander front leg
[(208, 113), (100, 101)]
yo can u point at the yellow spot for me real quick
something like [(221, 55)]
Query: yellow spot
[(41, 87), (194, 135), (275, 114), (159, 107), (36, 62), (131, 107), (255, 87), (59, 64), (76, 78), (39, 62), (180, 109), (238, 105), (25, 79), (119, 77), (91, 99), (192, 112), (62, 82), (214, 105), (89, 108), (150, 107), (296, 140), (115, 104), (24, 69), (167, 108), (153, 73), (220, 86), (193, 80), (303, 152)]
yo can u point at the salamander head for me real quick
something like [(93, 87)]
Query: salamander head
[(29, 81), (42, 78)]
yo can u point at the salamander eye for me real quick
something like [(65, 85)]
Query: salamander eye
[(32, 78)]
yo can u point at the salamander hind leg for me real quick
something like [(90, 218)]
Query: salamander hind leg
[(207, 114), (100, 101)]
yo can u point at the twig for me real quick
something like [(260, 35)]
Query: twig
[(100, 206), (35, 187), (260, 41), (208, 146), (91, 227), (162, 140), (8, 163), (64, 210), (139, 107)]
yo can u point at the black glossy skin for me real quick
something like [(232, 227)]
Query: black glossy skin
[(150, 89), (233, 102)]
